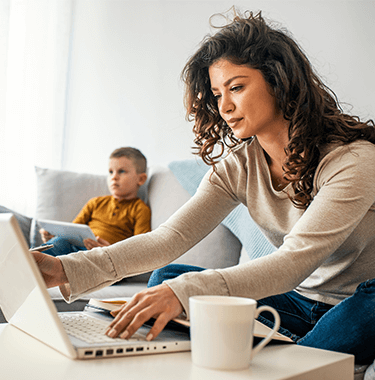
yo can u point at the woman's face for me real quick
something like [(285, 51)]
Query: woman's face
[(244, 100)]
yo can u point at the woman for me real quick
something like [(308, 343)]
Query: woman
[(304, 169)]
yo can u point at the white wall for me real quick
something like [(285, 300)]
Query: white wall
[(126, 58), (79, 78)]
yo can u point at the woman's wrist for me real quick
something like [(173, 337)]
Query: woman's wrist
[(62, 278)]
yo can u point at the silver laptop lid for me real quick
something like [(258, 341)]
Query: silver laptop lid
[(24, 299)]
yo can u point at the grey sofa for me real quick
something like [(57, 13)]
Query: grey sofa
[(61, 194)]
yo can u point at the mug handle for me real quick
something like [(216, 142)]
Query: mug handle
[(268, 338)]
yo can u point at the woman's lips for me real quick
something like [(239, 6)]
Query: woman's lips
[(234, 121)]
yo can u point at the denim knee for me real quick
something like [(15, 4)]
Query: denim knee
[(62, 246), (169, 272), (349, 326), (367, 287), (158, 276)]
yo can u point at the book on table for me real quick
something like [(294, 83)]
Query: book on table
[(107, 306)]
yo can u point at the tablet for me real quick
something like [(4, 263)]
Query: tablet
[(73, 232)]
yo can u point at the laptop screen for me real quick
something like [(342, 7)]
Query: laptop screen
[(24, 298)]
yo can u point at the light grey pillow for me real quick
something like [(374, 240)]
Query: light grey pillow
[(220, 249), (62, 194)]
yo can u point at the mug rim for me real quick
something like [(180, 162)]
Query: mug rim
[(223, 300)]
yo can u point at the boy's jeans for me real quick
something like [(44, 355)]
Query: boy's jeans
[(348, 327), (61, 246)]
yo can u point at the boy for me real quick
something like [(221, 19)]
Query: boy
[(112, 217)]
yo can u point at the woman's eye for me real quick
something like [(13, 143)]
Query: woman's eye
[(236, 88)]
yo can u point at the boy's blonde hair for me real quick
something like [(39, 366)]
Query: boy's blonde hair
[(133, 154)]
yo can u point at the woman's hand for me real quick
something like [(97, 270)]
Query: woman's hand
[(90, 243), (158, 302), (51, 268), (45, 235)]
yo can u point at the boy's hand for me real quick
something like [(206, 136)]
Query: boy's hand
[(90, 243), (51, 268), (45, 235)]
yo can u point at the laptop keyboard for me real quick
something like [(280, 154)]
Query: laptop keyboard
[(91, 330)]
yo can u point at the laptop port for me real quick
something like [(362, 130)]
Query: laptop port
[(139, 349), (89, 353), (119, 351), (99, 353), (109, 352), (130, 349)]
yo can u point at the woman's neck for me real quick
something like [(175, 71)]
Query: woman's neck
[(274, 150)]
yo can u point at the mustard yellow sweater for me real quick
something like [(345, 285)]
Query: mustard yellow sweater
[(115, 220)]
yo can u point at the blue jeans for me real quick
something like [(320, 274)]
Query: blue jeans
[(347, 327), (61, 246)]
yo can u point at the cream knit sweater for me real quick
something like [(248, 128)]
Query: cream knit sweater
[(323, 252)]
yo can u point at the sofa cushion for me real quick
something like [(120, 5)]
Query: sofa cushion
[(62, 194), (220, 249), (190, 173)]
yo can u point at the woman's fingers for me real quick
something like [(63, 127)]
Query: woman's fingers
[(134, 323), (160, 322), (158, 302), (129, 316)]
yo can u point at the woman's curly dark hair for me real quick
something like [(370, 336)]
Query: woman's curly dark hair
[(314, 114)]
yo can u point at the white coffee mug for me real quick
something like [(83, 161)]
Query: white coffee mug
[(221, 331)]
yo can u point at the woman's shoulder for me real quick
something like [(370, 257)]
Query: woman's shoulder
[(357, 157), (238, 164), (244, 150), (359, 149)]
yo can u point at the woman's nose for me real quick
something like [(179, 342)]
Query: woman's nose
[(226, 105)]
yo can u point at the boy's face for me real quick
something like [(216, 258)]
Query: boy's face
[(123, 179)]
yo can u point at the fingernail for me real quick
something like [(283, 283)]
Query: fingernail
[(124, 335), (149, 337), (112, 333)]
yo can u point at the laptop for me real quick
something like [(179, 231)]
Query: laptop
[(26, 304)]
